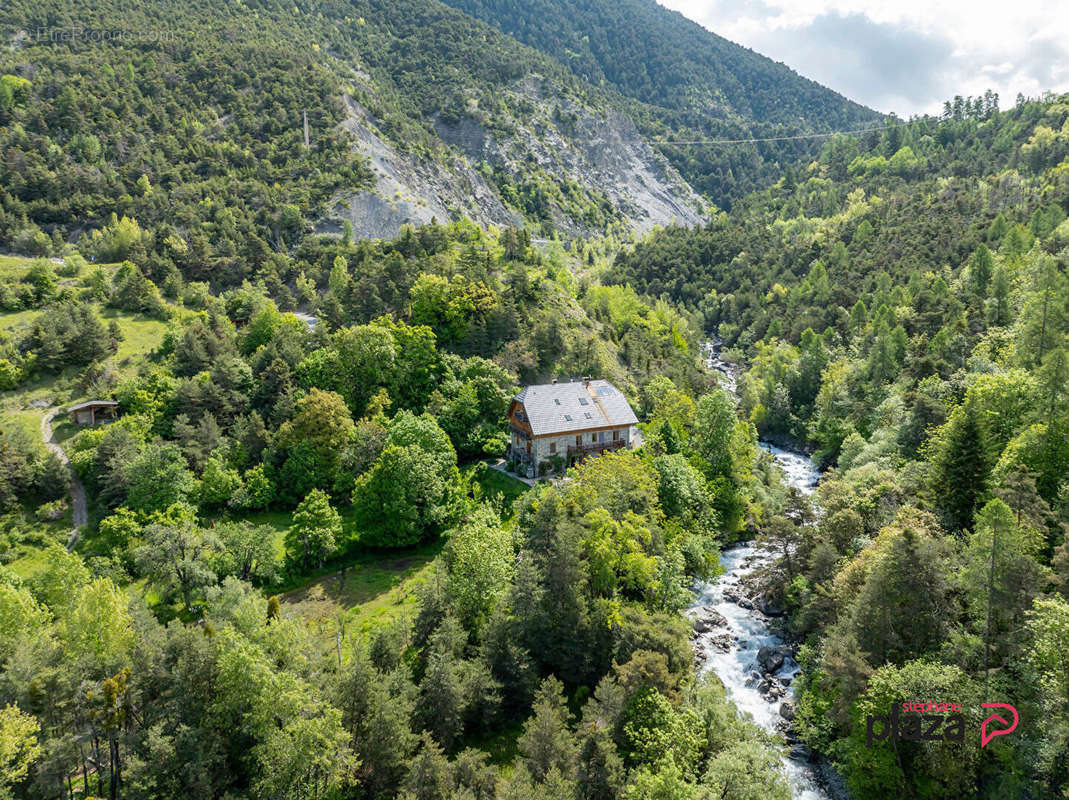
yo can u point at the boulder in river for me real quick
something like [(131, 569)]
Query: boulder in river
[(772, 658), (708, 619), (768, 607), (720, 641), (786, 710)]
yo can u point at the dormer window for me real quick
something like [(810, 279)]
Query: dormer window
[(556, 400), (583, 401)]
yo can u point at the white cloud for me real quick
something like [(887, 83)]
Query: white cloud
[(908, 56)]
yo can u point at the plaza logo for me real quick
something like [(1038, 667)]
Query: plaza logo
[(936, 722), (987, 735)]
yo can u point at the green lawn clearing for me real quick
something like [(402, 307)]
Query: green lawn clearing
[(495, 483), (369, 593)]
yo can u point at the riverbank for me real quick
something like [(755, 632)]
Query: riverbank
[(739, 637)]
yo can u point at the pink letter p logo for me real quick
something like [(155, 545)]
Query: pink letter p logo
[(986, 737)]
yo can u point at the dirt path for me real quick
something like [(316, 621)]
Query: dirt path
[(79, 510)]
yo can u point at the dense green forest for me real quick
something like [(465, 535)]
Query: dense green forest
[(543, 652), (302, 575), (660, 57), (901, 307), (193, 127)]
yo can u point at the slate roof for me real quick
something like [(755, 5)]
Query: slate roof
[(574, 406), (94, 404)]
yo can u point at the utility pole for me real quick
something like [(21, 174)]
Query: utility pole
[(306, 144), (338, 637), (990, 594)]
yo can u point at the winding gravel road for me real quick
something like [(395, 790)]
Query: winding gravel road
[(79, 510)]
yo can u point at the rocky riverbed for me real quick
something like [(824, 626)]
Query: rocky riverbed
[(736, 637)]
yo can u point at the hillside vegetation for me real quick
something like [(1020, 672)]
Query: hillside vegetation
[(300, 580), (690, 84), (194, 130), (902, 307), (302, 575)]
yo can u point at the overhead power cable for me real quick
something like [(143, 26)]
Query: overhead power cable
[(771, 138)]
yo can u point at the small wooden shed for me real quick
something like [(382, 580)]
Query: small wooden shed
[(92, 412)]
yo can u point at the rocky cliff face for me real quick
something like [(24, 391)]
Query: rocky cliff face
[(591, 168), (410, 189)]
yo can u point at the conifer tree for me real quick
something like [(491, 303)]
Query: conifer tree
[(546, 743), (959, 468)]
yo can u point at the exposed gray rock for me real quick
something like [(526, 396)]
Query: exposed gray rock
[(720, 641), (768, 607), (772, 658), (603, 152), (708, 619), (830, 780)]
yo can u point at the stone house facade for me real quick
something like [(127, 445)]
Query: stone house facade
[(559, 424)]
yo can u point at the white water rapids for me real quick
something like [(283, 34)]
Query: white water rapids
[(748, 629)]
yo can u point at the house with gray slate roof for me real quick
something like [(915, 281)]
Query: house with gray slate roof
[(564, 423)]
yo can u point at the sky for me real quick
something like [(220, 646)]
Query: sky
[(903, 56)]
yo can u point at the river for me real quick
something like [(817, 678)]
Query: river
[(738, 630)]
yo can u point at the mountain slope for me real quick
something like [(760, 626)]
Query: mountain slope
[(211, 116), (903, 308), (658, 56), (532, 131), (416, 111), (703, 85)]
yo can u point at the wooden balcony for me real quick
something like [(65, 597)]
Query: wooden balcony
[(596, 447)]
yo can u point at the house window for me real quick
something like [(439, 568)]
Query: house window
[(552, 448), (588, 415), (617, 436), (593, 437), (583, 401), (579, 439), (568, 417)]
